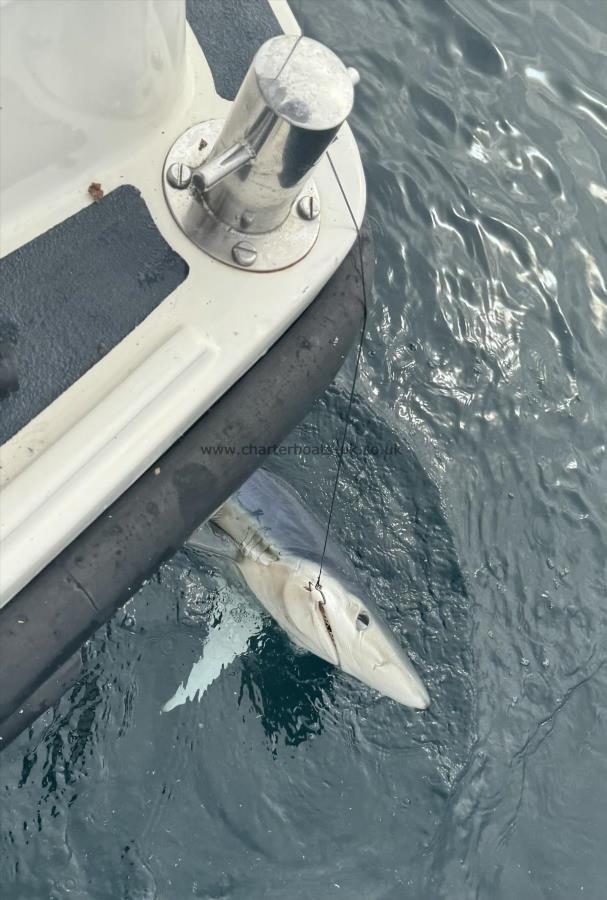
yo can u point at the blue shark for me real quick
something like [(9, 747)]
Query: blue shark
[(266, 530)]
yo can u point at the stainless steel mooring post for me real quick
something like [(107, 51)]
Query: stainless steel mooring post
[(241, 188)]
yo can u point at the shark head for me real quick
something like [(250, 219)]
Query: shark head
[(333, 622)]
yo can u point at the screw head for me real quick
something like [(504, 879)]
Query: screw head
[(179, 175), (247, 219), (308, 208), (244, 253)]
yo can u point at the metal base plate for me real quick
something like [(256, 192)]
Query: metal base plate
[(276, 249)]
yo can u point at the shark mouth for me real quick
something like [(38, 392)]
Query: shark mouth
[(321, 608)]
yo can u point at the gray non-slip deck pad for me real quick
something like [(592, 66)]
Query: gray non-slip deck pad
[(69, 296), (230, 32)]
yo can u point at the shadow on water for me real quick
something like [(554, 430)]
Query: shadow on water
[(288, 690)]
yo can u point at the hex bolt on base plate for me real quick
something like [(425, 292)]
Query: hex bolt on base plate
[(255, 252)]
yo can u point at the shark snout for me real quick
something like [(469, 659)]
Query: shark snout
[(383, 665), (402, 683)]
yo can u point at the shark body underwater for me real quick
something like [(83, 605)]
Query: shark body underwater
[(276, 543)]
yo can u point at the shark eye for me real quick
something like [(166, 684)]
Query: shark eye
[(362, 621)]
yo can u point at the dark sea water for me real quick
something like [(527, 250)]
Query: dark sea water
[(483, 129)]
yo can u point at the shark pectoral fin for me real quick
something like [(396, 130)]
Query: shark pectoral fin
[(208, 539), (180, 696), (217, 656), (226, 642)]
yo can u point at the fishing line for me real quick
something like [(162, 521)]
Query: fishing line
[(291, 52), (356, 367)]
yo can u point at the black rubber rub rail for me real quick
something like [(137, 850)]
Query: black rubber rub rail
[(45, 625)]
